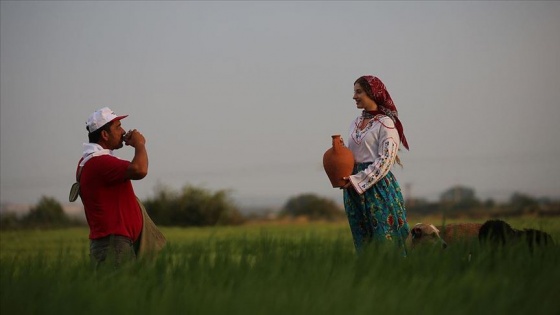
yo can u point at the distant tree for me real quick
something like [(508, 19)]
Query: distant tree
[(522, 203), (489, 203), (47, 213), (422, 206), (193, 206), (312, 206), (9, 220), (459, 198), (162, 205)]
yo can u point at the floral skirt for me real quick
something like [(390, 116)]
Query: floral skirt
[(378, 215)]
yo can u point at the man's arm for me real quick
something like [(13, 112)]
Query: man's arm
[(138, 167)]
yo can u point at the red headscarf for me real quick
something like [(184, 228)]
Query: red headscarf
[(385, 103)]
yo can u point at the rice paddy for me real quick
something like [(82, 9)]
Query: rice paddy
[(277, 269)]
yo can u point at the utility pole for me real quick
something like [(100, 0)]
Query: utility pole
[(408, 194)]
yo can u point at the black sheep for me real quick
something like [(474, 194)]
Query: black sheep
[(498, 232)]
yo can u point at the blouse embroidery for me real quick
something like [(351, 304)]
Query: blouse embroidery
[(358, 134), (382, 165), (382, 150)]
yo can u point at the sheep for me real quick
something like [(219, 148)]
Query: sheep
[(460, 232), (499, 233), (423, 233)]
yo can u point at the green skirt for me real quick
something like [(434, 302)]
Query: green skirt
[(378, 215)]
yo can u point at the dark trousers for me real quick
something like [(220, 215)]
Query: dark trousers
[(112, 250)]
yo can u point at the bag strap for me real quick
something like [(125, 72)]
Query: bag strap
[(79, 170)]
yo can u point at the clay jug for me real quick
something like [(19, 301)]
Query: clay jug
[(338, 162)]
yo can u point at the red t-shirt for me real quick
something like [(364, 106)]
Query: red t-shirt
[(109, 200)]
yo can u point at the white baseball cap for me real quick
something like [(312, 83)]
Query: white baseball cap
[(101, 117)]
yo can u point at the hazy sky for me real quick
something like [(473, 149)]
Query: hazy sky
[(246, 95)]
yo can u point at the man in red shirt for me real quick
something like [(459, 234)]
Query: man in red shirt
[(112, 211)]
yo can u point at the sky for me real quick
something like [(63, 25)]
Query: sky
[(244, 96)]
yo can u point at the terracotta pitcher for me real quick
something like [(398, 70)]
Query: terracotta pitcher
[(338, 162)]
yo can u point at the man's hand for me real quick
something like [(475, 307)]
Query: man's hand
[(138, 167), (133, 138)]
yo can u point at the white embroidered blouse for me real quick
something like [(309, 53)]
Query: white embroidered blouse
[(377, 143)]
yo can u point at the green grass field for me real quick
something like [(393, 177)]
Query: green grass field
[(277, 269)]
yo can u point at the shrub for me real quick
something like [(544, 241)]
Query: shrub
[(313, 207), (48, 213), (193, 206)]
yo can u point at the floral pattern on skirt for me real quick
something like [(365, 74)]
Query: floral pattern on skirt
[(379, 214)]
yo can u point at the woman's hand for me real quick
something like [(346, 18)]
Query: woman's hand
[(347, 183)]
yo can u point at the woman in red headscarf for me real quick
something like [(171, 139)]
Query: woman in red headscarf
[(373, 200)]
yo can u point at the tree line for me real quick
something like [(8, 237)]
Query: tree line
[(196, 206), (188, 207), (462, 201)]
